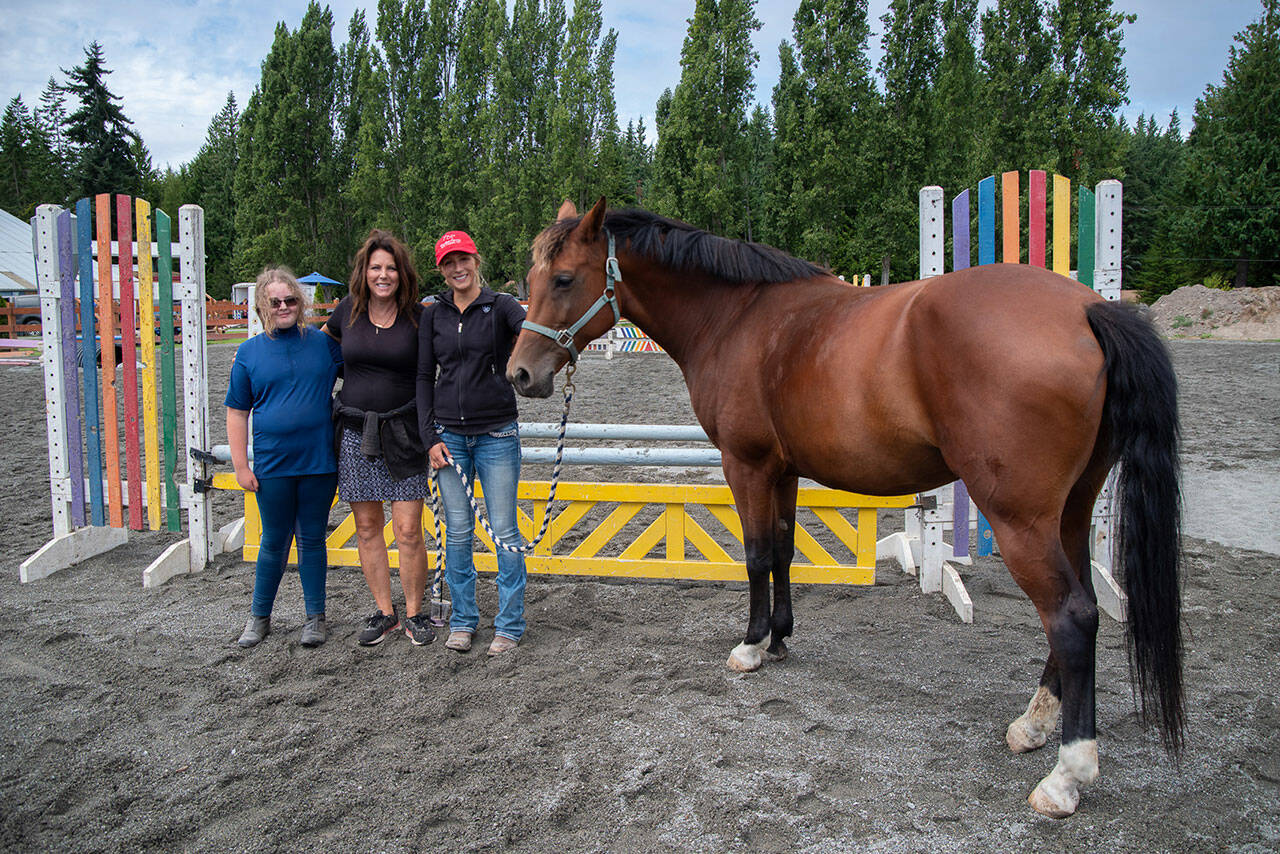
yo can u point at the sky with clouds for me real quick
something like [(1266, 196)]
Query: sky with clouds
[(173, 63)]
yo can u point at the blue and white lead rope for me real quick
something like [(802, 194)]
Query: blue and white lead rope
[(525, 548)]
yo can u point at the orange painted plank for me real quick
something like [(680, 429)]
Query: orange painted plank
[(1011, 228)]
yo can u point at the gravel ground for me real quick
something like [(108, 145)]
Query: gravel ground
[(132, 722)]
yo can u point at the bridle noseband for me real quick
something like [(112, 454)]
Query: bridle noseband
[(564, 337)]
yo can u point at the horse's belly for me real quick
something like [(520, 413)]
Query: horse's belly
[(879, 471)]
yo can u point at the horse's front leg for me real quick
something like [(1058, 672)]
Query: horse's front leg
[(747, 655), (754, 493), (784, 549)]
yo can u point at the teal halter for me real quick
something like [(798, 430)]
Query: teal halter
[(564, 337)]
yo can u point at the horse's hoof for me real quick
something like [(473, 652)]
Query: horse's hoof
[(1054, 801), (777, 652), (1023, 737), (1058, 794), (745, 658), (1032, 728)]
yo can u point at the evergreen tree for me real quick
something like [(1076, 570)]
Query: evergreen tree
[(637, 164), (51, 119), (209, 181), (286, 179), (701, 150), (1231, 221), (99, 131), (16, 168), (1152, 178)]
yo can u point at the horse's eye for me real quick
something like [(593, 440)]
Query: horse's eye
[(562, 280)]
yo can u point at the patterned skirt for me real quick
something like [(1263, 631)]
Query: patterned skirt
[(362, 478)]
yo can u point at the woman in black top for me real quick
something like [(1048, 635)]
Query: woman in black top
[(380, 454)]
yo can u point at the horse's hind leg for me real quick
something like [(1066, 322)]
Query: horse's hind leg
[(1038, 560), (1031, 730)]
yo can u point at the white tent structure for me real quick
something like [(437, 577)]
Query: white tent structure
[(17, 257)]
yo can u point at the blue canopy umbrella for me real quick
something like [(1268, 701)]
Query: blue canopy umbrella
[(317, 279)]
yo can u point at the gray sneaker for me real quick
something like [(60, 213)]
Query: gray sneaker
[(377, 627), (314, 631), (419, 630), (255, 631)]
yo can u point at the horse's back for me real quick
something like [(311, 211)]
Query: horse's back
[(898, 388)]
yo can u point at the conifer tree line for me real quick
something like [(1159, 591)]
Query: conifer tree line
[(483, 115)]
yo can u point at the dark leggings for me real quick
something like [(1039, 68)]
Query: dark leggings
[(293, 507)]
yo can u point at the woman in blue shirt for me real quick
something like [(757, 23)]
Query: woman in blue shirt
[(284, 377)]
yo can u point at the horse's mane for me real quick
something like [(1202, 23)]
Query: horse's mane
[(679, 246)]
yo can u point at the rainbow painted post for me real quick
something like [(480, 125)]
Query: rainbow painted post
[(124, 289)]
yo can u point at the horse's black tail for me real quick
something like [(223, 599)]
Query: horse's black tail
[(1141, 420)]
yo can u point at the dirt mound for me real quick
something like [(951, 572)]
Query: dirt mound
[(1247, 314)]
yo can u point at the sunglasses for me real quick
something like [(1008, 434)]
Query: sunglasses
[(289, 301)]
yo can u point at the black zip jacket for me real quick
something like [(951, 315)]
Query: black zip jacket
[(462, 365)]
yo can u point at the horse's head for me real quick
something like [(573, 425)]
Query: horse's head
[(571, 298)]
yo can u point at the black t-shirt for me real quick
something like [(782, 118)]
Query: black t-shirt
[(381, 364)]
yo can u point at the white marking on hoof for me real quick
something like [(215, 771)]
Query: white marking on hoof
[(745, 657), (1031, 730), (776, 656), (1058, 794)]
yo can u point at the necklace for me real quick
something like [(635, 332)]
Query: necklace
[(378, 326)]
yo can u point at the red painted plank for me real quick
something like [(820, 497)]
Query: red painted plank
[(106, 342), (1036, 222)]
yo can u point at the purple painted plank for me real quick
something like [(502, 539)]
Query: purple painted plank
[(960, 231), (960, 520), (70, 373)]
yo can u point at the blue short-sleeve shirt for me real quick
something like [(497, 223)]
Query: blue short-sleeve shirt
[(286, 381)]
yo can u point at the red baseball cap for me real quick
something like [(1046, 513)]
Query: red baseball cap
[(454, 241)]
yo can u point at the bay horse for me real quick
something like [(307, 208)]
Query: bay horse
[(1023, 383)]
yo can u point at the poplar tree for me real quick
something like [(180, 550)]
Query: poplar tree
[(1090, 87), (910, 146), (527, 94), (698, 166), (827, 167), (957, 98), (467, 145), (1231, 218), (1018, 63), (285, 179)]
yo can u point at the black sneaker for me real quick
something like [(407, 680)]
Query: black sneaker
[(419, 630), (378, 626)]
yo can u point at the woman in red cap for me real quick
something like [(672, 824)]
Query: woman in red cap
[(467, 416)]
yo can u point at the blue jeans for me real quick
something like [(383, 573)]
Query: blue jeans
[(293, 507), (495, 458)]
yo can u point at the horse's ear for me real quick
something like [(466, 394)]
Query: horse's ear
[(567, 211), (593, 221)]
